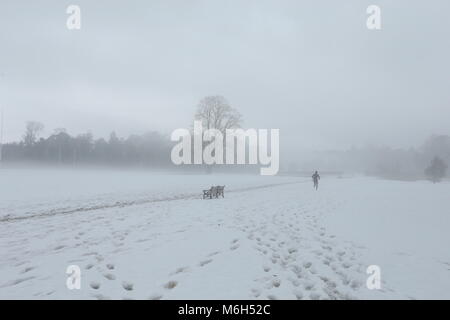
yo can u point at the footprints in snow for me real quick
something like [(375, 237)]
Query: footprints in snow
[(95, 285), (127, 285), (180, 270), (205, 262), (172, 284), (295, 243), (108, 275), (234, 244)]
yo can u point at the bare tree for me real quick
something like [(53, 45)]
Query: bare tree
[(33, 129), (216, 113)]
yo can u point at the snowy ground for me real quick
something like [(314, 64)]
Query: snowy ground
[(149, 236)]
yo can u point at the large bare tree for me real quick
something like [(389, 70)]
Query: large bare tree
[(33, 129), (216, 113)]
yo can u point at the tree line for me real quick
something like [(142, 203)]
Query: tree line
[(427, 161), (153, 149), (150, 149)]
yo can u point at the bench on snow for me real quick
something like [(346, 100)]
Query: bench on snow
[(214, 191)]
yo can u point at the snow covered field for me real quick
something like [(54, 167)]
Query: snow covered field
[(139, 235)]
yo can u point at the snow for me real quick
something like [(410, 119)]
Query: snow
[(144, 235), (403, 227)]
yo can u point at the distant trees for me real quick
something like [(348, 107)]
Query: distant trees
[(438, 145), (436, 170), (380, 161), (150, 149)]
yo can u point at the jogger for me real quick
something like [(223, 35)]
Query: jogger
[(316, 178)]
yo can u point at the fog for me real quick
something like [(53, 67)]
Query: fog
[(224, 150), (309, 68)]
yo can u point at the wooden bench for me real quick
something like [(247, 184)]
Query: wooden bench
[(214, 191), (207, 193), (220, 191)]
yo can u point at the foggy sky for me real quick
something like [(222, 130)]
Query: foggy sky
[(310, 68)]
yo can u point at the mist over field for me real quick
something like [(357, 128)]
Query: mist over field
[(224, 149)]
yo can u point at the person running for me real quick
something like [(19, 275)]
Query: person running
[(316, 179)]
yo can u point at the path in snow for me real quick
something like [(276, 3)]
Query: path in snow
[(120, 204)]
